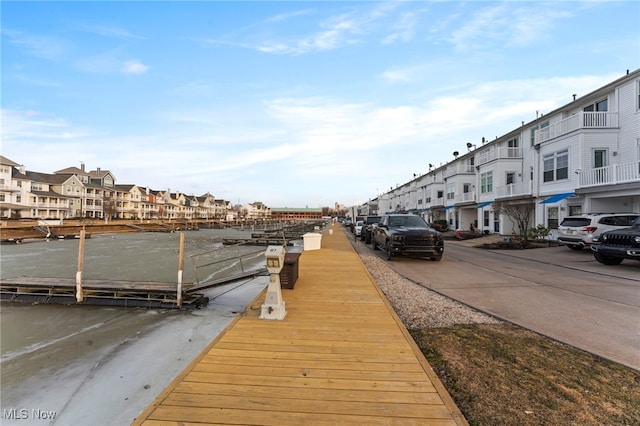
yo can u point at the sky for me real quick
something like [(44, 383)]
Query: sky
[(293, 104)]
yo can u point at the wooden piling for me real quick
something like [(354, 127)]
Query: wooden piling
[(79, 293), (180, 270)]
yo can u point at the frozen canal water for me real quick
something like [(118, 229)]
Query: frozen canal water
[(103, 365)]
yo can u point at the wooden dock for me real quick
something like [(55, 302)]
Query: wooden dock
[(340, 356), (99, 292)]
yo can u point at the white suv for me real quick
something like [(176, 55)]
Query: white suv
[(578, 232)]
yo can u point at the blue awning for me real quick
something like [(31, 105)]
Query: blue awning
[(557, 197), (449, 207), (479, 206)]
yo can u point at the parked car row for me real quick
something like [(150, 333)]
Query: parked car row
[(578, 232), (612, 237), (401, 235)]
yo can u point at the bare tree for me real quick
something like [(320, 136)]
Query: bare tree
[(109, 206), (519, 212)]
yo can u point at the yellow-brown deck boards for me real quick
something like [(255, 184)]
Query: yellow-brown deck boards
[(340, 356)]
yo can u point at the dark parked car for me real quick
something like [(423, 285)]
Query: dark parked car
[(407, 235), (612, 247), (369, 223)]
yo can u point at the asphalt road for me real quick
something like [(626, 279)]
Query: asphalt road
[(560, 293)]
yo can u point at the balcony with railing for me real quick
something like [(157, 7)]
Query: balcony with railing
[(465, 197), (610, 175), (581, 120), (456, 169), (499, 153), (514, 190), (10, 187)]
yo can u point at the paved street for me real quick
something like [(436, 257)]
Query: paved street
[(563, 294)]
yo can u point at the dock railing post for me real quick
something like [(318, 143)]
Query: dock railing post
[(79, 293), (180, 269)]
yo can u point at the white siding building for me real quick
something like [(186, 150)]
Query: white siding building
[(582, 157)]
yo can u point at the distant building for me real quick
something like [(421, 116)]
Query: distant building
[(74, 192), (286, 213), (255, 211)]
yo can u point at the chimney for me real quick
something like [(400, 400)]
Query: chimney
[(82, 166), (98, 171)]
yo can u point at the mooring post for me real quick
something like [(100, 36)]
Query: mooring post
[(180, 269), (79, 293)]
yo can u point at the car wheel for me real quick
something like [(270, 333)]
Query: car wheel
[(607, 260), (388, 251), (574, 247), (436, 258)]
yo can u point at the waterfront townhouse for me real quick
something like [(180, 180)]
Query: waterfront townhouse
[(589, 154), (129, 199), (73, 192), (30, 194), (582, 157)]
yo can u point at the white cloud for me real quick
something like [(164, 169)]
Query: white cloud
[(506, 26), (109, 31), (41, 46), (134, 67)]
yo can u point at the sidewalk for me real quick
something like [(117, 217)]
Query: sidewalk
[(340, 356)]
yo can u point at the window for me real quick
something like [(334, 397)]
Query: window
[(485, 218), (511, 178), (451, 192), (552, 215), (466, 188), (2, 198), (486, 182), (556, 166), (440, 194), (599, 106), (599, 158), (575, 210)]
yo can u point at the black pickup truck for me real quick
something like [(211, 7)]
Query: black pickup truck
[(407, 235), (367, 229), (612, 247)]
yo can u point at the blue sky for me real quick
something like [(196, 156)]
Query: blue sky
[(295, 104)]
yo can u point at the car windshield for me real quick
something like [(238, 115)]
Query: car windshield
[(409, 221), (637, 223), (359, 223)]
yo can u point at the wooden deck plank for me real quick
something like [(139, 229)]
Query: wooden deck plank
[(334, 364), (340, 356), (277, 403), (237, 390), (185, 415)]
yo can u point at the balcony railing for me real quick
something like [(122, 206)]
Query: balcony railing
[(515, 189), (499, 154), (466, 197), (10, 187), (458, 169), (610, 175), (581, 120)]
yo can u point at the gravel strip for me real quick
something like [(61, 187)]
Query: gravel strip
[(418, 307)]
